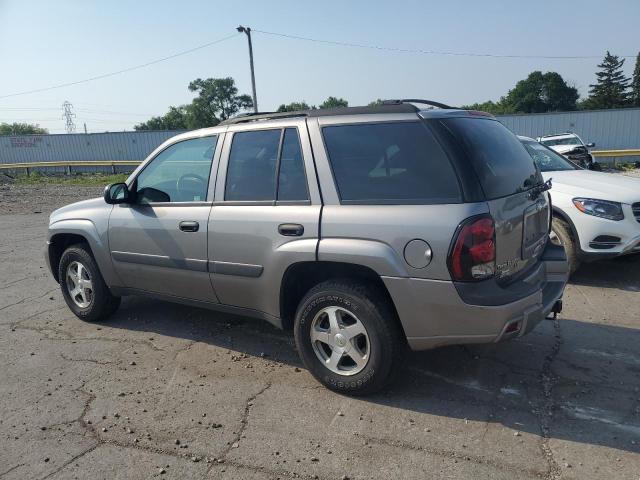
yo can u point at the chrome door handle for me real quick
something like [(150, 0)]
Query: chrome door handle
[(291, 229), (189, 226)]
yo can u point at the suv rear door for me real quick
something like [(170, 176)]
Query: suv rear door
[(506, 173), (266, 212)]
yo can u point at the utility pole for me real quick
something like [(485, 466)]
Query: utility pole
[(67, 115), (247, 30), (85, 128)]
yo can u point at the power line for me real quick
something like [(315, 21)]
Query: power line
[(85, 110), (432, 52), (124, 70)]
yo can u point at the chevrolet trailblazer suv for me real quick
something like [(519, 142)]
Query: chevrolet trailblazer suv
[(363, 229)]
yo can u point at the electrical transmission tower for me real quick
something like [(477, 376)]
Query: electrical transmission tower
[(67, 115)]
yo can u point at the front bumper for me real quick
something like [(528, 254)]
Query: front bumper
[(591, 229), (433, 314), (47, 259)]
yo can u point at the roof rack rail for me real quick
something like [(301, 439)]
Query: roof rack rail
[(251, 117), (416, 100)]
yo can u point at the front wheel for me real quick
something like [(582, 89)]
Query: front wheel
[(83, 287), (561, 234), (348, 337)]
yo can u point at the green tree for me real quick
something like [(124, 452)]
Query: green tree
[(21, 129), (294, 106), (175, 119), (376, 103), (217, 99), (495, 108), (610, 89), (540, 92), (635, 84), (334, 102)]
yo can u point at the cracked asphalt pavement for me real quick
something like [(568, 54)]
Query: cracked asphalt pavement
[(169, 391)]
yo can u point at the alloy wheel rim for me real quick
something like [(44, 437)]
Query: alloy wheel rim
[(340, 341), (79, 284)]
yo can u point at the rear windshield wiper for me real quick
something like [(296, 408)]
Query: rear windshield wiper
[(538, 189)]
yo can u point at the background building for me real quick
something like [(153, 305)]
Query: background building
[(609, 129), (82, 147)]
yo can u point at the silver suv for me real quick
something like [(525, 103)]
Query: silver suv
[(363, 229)]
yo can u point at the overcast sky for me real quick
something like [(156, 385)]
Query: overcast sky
[(45, 43)]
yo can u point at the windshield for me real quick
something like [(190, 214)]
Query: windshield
[(546, 159), (561, 141)]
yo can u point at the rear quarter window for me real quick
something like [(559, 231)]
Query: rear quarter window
[(389, 163), (502, 164)]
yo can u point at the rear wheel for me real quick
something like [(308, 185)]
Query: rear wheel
[(83, 287), (561, 234), (348, 337)]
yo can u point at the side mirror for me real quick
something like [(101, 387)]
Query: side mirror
[(590, 145), (117, 193)]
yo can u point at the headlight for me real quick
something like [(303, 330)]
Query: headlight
[(599, 208)]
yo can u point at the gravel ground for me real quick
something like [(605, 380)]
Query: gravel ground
[(170, 391)]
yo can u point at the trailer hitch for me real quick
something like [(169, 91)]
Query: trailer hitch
[(555, 310)]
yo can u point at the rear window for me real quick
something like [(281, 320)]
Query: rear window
[(501, 162), (397, 162)]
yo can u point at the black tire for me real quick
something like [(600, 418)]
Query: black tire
[(386, 345), (563, 231), (102, 303)]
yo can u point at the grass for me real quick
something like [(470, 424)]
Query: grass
[(83, 179), (626, 166)]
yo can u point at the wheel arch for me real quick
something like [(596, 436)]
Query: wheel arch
[(58, 243), (556, 212), (64, 233), (300, 277)]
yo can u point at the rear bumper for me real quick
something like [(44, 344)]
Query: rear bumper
[(433, 314)]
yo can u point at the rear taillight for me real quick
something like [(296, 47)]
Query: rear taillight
[(473, 256)]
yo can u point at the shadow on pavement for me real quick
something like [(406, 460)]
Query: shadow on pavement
[(622, 273), (569, 380)]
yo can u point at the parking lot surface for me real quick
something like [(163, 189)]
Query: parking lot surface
[(169, 391)]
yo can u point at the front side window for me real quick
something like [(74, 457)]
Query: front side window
[(180, 173), (397, 162)]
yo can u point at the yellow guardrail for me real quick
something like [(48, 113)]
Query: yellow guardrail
[(615, 153), (69, 164), (114, 163)]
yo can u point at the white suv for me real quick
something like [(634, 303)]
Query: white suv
[(595, 215)]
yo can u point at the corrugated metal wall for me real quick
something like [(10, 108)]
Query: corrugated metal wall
[(80, 146), (608, 129)]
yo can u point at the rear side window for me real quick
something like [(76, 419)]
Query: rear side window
[(254, 165), (501, 162), (292, 182), (397, 162), (251, 173)]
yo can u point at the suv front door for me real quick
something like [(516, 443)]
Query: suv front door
[(158, 242), (265, 215)]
